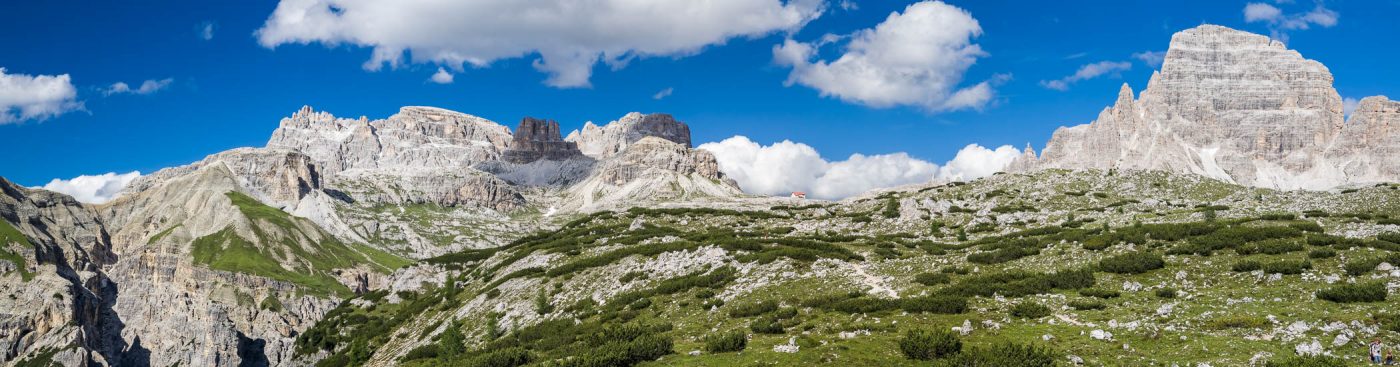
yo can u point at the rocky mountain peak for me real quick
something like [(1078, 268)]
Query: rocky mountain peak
[(537, 139), (1231, 105), (613, 138)]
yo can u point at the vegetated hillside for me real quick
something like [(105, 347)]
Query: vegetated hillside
[(1050, 268)]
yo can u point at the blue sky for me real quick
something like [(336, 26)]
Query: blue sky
[(230, 90)]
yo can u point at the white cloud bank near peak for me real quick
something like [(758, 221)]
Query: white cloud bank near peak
[(783, 167), (93, 189), (915, 58), (570, 37), (35, 97)]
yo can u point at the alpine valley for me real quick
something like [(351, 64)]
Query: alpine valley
[(1229, 214)]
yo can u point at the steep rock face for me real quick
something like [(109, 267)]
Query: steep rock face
[(51, 252), (422, 137), (276, 176), (613, 138), (538, 139), (1369, 147), (1226, 104), (463, 186)]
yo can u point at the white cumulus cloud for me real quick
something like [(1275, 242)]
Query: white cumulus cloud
[(1086, 72), (569, 37), (975, 161), (786, 166), (915, 58), (147, 87), (93, 189), (442, 76), (35, 97)]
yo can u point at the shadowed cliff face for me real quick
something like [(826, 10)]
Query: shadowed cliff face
[(537, 139), (1235, 106)]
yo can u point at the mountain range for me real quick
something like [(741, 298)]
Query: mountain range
[(434, 237)]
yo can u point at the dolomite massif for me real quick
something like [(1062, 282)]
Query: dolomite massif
[(1163, 233), (1238, 107)]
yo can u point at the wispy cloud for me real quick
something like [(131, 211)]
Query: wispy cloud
[(147, 87), (1086, 72), (1151, 58), (663, 93), (206, 30), (1280, 23)]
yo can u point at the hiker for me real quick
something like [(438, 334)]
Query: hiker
[(1375, 352), (1390, 356)]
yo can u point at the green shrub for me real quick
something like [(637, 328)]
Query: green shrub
[(1244, 266), (509, 357), (1030, 310), (1352, 293), (1133, 263), (733, 341), (1362, 266), (1002, 354), (1270, 247), (426, 351), (1322, 253), (1099, 293), (1166, 293), (1307, 361), (1307, 226), (932, 278), (752, 309), (926, 345), (1084, 305), (1388, 321), (1287, 267)]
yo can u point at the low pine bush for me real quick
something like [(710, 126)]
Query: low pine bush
[(1099, 293), (1003, 354), (1244, 266), (1354, 293), (932, 278), (1167, 293), (752, 309), (1133, 263), (1030, 310), (926, 345), (1085, 305), (733, 341), (1307, 361)]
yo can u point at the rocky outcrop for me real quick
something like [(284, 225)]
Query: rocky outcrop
[(1227, 104), (538, 139), (279, 177), (1368, 149), (652, 170), (613, 138), (56, 291), (418, 137), (462, 186)]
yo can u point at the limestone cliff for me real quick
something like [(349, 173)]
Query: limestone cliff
[(1238, 107)]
